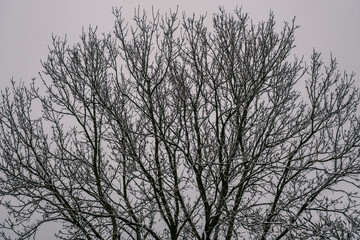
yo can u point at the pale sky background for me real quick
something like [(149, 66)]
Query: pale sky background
[(26, 28)]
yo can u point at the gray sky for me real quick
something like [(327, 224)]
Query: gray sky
[(26, 28)]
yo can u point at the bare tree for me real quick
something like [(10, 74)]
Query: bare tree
[(169, 130)]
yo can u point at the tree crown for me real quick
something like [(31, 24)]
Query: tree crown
[(169, 130)]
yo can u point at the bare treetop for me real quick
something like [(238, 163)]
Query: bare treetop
[(172, 129)]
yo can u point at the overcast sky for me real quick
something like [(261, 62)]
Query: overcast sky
[(26, 27)]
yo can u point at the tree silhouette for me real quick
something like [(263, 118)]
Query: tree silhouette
[(169, 129)]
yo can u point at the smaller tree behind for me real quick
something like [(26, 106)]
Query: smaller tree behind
[(168, 130)]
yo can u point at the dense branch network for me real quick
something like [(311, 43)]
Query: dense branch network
[(169, 130)]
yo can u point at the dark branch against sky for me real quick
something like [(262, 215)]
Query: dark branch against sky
[(26, 26)]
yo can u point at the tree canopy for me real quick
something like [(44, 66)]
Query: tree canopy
[(169, 128)]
